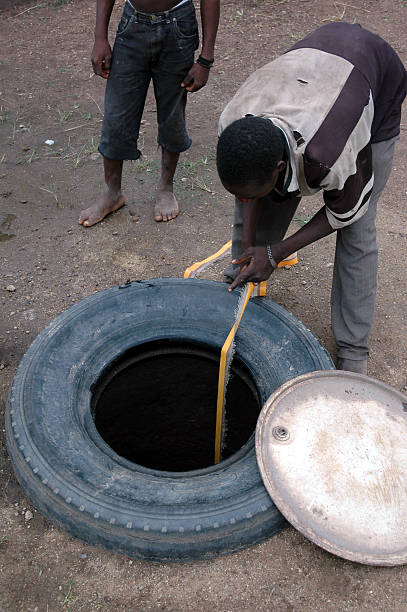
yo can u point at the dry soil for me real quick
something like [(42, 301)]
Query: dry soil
[(48, 92)]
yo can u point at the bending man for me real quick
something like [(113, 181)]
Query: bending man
[(323, 116)]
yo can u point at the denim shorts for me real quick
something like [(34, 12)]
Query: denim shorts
[(160, 47)]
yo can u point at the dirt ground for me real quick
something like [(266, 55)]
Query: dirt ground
[(48, 92)]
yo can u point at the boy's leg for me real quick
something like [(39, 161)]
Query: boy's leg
[(112, 198), (125, 95), (355, 273), (166, 205), (175, 47), (172, 138)]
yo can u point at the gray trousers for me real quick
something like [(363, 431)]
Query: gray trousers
[(354, 280)]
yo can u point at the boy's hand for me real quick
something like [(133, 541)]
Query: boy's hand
[(196, 78), (102, 57)]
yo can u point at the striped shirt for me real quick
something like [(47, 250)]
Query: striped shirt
[(333, 94)]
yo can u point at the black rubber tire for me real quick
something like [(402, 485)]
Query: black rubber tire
[(81, 484)]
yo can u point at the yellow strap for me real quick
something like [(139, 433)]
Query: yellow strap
[(261, 287), (291, 260), (222, 374), (188, 272)]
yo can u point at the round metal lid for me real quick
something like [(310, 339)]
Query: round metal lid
[(332, 451)]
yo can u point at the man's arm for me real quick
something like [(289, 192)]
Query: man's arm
[(102, 51), (250, 216), (318, 227), (258, 264), (198, 75)]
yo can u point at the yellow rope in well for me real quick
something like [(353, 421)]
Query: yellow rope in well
[(227, 349), (225, 359)]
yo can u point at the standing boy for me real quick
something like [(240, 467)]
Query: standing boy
[(156, 39)]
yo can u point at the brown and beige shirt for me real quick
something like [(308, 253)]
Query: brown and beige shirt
[(333, 94)]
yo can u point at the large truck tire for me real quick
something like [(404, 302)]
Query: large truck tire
[(79, 482)]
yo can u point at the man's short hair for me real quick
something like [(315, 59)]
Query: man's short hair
[(248, 150)]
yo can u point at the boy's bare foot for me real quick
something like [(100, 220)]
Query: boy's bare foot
[(95, 213), (166, 206)]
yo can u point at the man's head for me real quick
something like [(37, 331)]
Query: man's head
[(249, 157)]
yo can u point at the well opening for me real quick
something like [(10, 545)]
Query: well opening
[(156, 406)]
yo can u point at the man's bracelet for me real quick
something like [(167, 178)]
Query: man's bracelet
[(205, 62), (271, 258)]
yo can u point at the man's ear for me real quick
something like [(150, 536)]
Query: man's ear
[(281, 165)]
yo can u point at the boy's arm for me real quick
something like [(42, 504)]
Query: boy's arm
[(198, 75), (102, 51), (210, 11)]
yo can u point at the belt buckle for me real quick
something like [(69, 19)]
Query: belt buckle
[(154, 17)]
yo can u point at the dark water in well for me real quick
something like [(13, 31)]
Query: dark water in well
[(160, 411)]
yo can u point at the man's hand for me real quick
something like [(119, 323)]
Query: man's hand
[(196, 78), (102, 57), (258, 267)]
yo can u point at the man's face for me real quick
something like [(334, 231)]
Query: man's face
[(253, 190)]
